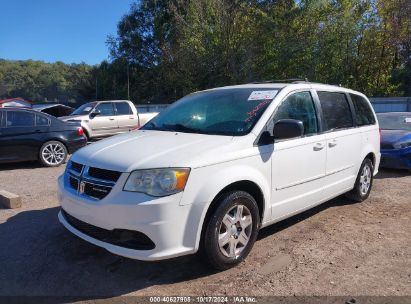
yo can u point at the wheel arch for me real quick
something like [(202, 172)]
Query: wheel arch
[(53, 139), (372, 157), (242, 185)]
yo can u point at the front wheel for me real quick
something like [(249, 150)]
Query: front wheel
[(52, 154), (363, 183), (231, 230)]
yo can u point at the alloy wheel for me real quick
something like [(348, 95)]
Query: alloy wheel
[(365, 180), (53, 154), (235, 231)]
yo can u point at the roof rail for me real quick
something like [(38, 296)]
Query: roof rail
[(289, 80)]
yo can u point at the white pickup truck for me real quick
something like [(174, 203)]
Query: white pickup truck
[(110, 117)]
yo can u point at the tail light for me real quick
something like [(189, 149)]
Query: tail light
[(80, 131)]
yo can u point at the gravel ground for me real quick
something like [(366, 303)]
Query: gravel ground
[(338, 248)]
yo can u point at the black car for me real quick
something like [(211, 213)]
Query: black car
[(26, 135)]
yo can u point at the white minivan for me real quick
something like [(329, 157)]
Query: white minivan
[(216, 166)]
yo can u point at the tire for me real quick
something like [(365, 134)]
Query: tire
[(53, 154), (236, 236), (363, 183), (87, 135)]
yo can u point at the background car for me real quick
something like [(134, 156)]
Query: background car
[(54, 109), (395, 139), (15, 102), (106, 118), (26, 135)]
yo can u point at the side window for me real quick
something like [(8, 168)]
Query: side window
[(336, 110), (1, 119), (299, 106), (123, 108), (41, 120), (106, 109), (363, 113), (19, 119)]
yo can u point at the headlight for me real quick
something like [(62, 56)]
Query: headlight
[(158, 182)]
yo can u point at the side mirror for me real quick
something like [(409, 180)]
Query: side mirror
[(95, 113), (288, 128)]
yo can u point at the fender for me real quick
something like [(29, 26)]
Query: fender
[(222, 176)]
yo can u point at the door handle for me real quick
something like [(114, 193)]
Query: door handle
[(332, 143), (131, 118), (111, 118), (318, 147)]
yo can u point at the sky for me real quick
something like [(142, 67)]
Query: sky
[(71, 31)]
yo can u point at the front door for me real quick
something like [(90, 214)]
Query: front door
[(105, 123), (298, 165)]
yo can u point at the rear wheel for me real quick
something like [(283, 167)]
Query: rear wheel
[(53, 154), (363, 183), (231, 230)]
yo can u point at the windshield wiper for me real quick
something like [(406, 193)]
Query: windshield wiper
[(150, 126), (182, 128)]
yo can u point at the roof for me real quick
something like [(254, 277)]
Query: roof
[(120, 100), (281, 85)]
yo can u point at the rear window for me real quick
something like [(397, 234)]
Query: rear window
[(363, 113), (336, 110), (395, 121), (122, 108), (19, 119), (41, 120)]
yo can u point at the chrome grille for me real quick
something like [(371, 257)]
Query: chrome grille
[(76, 167), (91, 182), (104, 174)]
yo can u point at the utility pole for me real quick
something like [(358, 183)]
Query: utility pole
[(128, 81)]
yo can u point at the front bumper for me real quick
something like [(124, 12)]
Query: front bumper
[(162, 220), (396, 158)]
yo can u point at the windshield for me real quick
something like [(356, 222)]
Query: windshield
[(395, 122), (85, 109), (231, 112)]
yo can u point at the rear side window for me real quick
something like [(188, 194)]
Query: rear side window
[(41, 120), (299, 106), (363, 113), (106, 109), (19, 119), (336, 110), (123, 108)]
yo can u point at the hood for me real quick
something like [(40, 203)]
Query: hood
[(394, 136), (145, 149), (73, 117)]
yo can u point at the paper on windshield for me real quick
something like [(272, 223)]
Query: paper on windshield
[(407, 119), (87, 109), (262, 95)]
